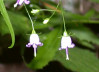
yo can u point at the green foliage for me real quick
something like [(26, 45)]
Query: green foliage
[(81, 60), (9, 1), (7, 20), (84, 34), (19, 22), (77, 18)]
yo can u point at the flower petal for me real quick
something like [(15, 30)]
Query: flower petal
[(20, 2), (34, 39), (40, 44), (26, 1), (15, 5), (60, 48), (71, 46), (28, 45), (34, 46)]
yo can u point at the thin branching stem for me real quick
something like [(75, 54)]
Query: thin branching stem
[(29, 17)]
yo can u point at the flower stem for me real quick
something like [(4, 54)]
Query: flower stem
[(63, 18), (55, 10), (29, 17)]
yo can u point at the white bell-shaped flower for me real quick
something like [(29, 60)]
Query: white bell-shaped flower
[(66, 42), (34, 42)]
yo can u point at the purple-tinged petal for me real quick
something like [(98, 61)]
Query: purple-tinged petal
[(26, 1), (18, 1), (21, 2), (15, 5), (67, 57), (40, 44), (71, 46), (34, 46), (60, 48), (28, 45)]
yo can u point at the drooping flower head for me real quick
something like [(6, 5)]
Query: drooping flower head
[(34, 42), (20, 2), (66, 43), (46, 20), (34, 11)]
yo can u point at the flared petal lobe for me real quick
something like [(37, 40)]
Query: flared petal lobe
[(26, 1), (20, 2), (28, 45)]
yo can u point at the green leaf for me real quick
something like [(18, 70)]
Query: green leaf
[(54, 21), (87, 44), (7, 20), (89, 14), (9, 1), (81, 60), (85, 34), (20, 23), (74, 18), (47, 51)]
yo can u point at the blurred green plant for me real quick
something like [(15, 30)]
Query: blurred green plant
[(7, 20), (81, 58)]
